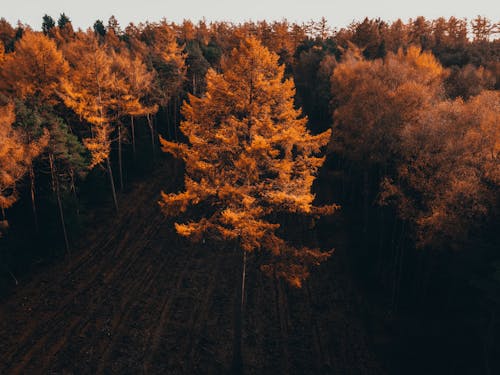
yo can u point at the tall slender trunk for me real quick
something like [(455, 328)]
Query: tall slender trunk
[(132, 126), (57, 191), (120, 162), (176, 100), (237, 360), (243, 279), (281, 315), (33, 204), (168, 119), (152, 131), (73, 189), (112, 182)]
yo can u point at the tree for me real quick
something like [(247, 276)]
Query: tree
[(12, 166), (249, 158), (449, 176), (16, 156), (67, 161), (63, 21), (29, 124), (165, 56), (133, 90), (65, 28), (91, 93), (48, 24), (31, 75), (371, 108), (7, 34), (482, 29), (33, 71), (373, 101), (99, 28)]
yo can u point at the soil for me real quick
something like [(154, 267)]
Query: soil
[(135, 298)]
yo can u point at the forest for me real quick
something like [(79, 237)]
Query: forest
[(258, 197)]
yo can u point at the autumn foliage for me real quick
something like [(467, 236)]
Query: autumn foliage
[(16, 156), (249, 157)]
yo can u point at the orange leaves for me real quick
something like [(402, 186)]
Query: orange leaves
[(103, 86), (294, 264), (425, 67), (34, 69), (99, 144), (249, 156), (16, 155), (11, 157), (450, 169), (375, 98)]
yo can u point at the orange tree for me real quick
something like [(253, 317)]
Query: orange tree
[(249, 158), (16, 156)]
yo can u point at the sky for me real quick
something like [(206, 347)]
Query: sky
[(83, 13)]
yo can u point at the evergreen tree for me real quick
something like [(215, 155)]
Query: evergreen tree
[(63, 21), (99, 28), (48, 24)]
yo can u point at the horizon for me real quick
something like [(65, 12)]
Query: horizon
[(83, 15)]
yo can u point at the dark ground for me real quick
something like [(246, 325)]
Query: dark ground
[(134, 298)]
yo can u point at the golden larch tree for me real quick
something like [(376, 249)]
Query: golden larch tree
[(249, 156), (138, 100), (93, 92), (33, 71)]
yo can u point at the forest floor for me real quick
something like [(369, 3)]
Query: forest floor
[(135, 298)]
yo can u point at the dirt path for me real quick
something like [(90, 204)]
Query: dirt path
[(138, 299)]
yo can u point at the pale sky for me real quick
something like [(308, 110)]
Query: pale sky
[(83, 13)]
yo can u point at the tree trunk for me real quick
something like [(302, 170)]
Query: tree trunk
[(168, 118), (57, 191), (283, 321), (120, 162), (176, 99), (132, 126), (112, 182), (152, 131), (237, 360), (73, 189), (33, 204)]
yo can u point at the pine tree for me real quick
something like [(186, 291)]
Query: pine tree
[(67, 161), (48, 24)]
